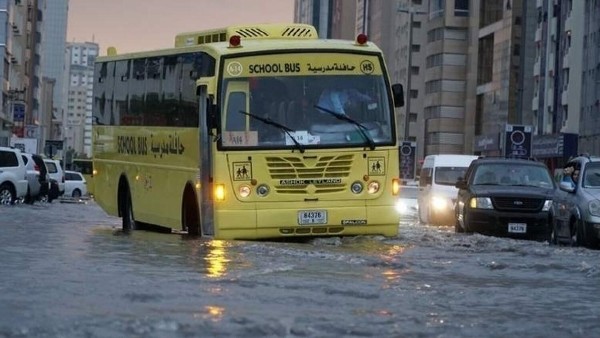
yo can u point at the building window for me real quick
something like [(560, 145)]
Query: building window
[(461, 7), (486, 59), (436, 8), (490, 11)]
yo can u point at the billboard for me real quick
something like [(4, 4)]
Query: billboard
[(27, 145), (408, 151), (517, 141)]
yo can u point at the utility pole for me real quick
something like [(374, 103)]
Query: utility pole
[(411, 11)]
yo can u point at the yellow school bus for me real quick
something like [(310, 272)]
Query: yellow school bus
[(238, 133)]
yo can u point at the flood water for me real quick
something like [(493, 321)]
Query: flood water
[(67, 271)]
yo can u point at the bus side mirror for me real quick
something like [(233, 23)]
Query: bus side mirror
[(211, 115), (398, 92)]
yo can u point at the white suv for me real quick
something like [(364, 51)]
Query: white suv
[(13, 179), (56, 173)]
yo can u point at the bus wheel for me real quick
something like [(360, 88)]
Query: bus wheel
[(127, 213), (190, 217)]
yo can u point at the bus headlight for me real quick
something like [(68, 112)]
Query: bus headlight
[(219, 192), (373, 187), (244, 191), (356, 187), (262, 190), (481, 203)]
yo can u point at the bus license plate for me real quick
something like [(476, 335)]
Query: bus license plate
[(517, 228), (312, 217)]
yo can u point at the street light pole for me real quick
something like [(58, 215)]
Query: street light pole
[(411, 12)]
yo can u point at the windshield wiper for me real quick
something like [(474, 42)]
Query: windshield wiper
[(361, 128), (270, 122)]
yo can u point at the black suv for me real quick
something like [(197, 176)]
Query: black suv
[(507, 197)]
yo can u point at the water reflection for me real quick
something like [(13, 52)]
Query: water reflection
[(216, 260), (213, 313)]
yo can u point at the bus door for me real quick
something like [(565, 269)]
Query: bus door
[(207, 131)]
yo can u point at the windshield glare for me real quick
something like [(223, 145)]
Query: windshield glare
[(512, 174), (449, 175), (307, 106)]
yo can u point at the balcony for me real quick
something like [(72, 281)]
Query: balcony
[(538, 34), (569, 22), (567, 59), (536, 68), (565, 95)]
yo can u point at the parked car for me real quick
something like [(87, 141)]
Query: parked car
[(13, 180), (507, 197), (407, 203), (56, 173), (75, 184), (576, 204), (37, 177)]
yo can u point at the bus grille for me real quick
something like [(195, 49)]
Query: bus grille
[(281, 168)]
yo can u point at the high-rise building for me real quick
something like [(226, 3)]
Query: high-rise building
[(7, 98), (53, 67), (589, 131), (20, 44), (77, 121)]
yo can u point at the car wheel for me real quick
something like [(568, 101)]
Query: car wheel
[(44, 199), (76, 193), (576, 234), (457, 227), (466, 227), (7, 194), (554, 233), (127, 213)]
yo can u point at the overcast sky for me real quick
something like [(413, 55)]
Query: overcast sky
[(135, 25)]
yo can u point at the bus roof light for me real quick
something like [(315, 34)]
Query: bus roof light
[(235, 41), (361, 39)]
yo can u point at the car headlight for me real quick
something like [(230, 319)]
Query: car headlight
[(481, 203), (547, 205), (440, 203), (594, 208)]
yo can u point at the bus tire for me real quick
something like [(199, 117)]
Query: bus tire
[(127, 213), (190, 216)]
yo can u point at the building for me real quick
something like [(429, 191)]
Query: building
[(77, 121), (589, 130), (20, 47), (53, 69)]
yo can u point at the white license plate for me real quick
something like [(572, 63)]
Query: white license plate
[(312, 217), (517, 228)]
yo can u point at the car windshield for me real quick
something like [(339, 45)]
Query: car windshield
[(591, 176), (512, 174), (449, 175)]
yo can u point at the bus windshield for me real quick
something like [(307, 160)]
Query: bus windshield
[(289, 101)]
